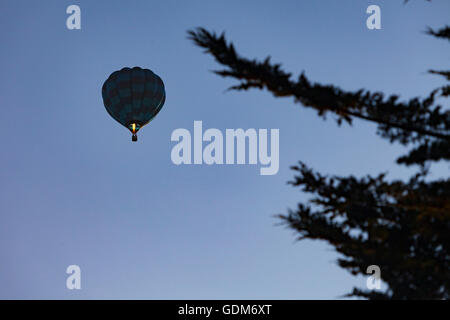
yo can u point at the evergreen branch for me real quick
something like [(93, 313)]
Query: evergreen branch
[(443, 33), (406, 122)]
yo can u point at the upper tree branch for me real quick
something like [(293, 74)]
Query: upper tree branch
[(404, 121)]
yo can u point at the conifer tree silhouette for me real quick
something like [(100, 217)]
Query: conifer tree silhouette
[(401, 226)]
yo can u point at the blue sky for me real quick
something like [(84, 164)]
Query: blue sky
[(76, 190)]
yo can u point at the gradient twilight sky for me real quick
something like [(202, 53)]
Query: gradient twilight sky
[(76, 190)]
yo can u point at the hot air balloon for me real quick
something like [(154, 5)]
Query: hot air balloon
[(133, 97)]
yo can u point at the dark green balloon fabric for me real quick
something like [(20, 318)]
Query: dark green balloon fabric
[(133, 96)]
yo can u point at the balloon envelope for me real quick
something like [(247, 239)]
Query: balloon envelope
[(133, 97)]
